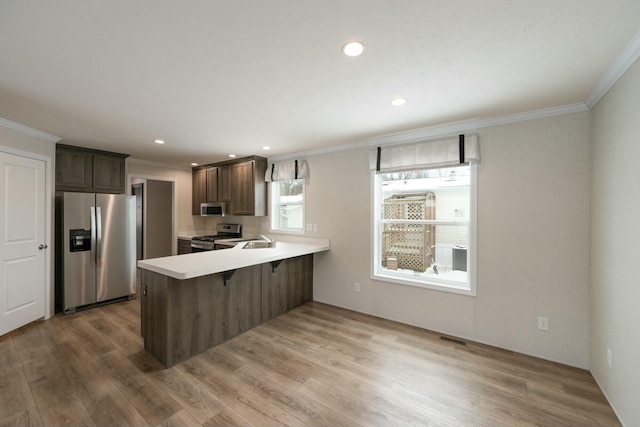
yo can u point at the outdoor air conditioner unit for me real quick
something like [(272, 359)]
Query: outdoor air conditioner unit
[(459, 258)]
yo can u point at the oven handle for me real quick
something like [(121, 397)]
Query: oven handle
[(225, 245)]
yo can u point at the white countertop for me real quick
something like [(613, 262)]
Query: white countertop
[(203, 263)]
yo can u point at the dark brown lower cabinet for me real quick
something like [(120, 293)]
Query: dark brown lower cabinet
[(182, 318), (184, 246)]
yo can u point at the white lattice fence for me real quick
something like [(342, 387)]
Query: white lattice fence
[(412, 245)]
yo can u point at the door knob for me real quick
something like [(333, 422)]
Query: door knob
[(41, 247)]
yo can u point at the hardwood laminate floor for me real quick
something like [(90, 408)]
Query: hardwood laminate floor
[(317, 365)]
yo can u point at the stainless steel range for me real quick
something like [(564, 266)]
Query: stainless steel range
[(208, 243)]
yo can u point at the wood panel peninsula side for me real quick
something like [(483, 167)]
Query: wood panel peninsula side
[(191, 303)]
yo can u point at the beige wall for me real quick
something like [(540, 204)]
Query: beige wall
[(24, 142), (185, 222), (533, 239), (615, 248)]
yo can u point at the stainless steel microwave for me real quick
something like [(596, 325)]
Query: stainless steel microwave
[(213, 209)]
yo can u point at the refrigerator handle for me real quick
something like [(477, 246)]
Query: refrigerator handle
[(99, 236), (92, 216)]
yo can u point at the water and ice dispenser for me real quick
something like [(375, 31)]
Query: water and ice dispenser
[(79, 240)]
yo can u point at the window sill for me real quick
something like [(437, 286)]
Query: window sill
[(425, 283)]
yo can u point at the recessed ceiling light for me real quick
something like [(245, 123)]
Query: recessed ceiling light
[(398, 101), (194, 164), (158, 141), (353, 49), (266, 147), (232, 155)]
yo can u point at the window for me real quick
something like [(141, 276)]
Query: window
[(424, 228), (287, 205)]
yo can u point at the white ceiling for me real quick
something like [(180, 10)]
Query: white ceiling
[(213, 77)]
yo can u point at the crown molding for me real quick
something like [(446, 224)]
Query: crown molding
[(308, 153), (468, 125), (438, 131), (28, 131), (626, 59), (156, 164)]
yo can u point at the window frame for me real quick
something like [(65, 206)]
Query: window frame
[(274, 208), (424, 282)]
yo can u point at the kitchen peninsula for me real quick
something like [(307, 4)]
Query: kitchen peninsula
[(193, 302)]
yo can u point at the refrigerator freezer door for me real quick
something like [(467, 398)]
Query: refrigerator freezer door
[(79, 270), (116, 265)]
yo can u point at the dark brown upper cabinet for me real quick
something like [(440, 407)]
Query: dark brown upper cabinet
[(212, 185), (206, 188), (224, 183), (90, 171), (198, 190), (238, 182)]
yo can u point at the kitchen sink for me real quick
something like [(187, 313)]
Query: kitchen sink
[(259, 244)]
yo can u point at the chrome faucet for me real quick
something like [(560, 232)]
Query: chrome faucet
[(272, 243)]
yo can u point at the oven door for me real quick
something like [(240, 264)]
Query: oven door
[(225, 245)]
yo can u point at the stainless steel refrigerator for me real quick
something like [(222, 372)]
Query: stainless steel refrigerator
[(95, 249)]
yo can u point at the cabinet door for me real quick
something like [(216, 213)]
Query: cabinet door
[(184, 246), (242, 188), (224, 183), (108, 173), (74, 170), (199, 190), (212, 185), (153, 309)]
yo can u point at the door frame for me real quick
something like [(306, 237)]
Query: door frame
[(142, 191), (174, 207), (48, 220)]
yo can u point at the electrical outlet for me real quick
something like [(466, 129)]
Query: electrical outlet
[(543, 323), (309, 227), (356, 287), (609, 357), (315, 227)]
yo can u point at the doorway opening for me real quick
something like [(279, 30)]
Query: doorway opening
[(137, 190), (154, 217)]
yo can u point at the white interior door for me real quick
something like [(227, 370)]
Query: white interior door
[(22, 241)]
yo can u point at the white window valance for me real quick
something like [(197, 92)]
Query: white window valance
[(287, 170), (423, 155)]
